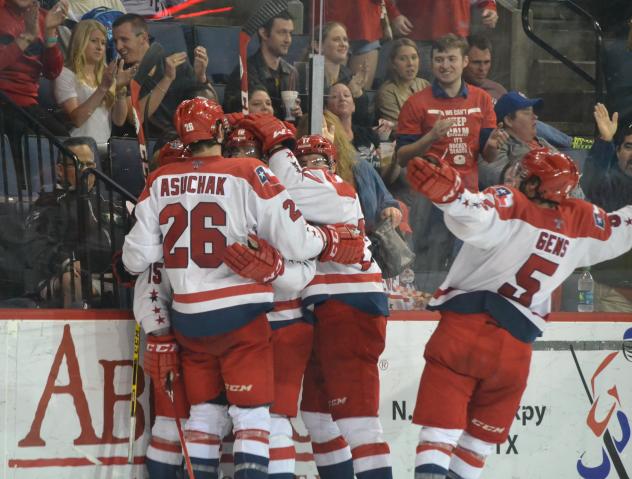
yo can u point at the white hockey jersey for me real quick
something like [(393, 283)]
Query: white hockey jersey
[(516, 253), (152, 298), (324, 198), (189, 212)]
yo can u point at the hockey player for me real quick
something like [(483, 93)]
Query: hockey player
[(292, 337), (520, 245), (152, 300), (189, 214), (350, 325)]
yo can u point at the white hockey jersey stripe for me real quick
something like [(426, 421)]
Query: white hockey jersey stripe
[(222, 298)]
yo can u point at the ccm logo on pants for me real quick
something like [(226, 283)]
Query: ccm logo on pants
[(238, 388), (487, 427)]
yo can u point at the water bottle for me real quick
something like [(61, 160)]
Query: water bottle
[(585, 289)]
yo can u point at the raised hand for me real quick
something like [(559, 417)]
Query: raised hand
[(172, 62), (607, 126), (31, 21), (109, 76), (200, 63), (358, 81), (56, 15), (124, 76), (489, 18)]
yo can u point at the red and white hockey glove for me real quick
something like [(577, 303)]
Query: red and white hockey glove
[(441, 184), (161, 358), (232, 119), (345, 244), (271, 131), (258, 260)]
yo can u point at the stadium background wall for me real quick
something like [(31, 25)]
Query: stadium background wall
[(65, 382)]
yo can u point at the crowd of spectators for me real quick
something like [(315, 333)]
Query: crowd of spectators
[(437, 98)]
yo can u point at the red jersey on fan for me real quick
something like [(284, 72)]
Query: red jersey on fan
[(472, 110), (432, 19)]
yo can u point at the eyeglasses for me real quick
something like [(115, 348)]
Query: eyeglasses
[(82, 166)]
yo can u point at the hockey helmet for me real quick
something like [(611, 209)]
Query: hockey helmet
[(556, 172), (172, 152), (241, 142), (198, 119), (316, 145)]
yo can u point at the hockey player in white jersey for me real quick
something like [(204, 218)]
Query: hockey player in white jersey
[(520, 244), (350, 307), (188, 214), (292, 335)]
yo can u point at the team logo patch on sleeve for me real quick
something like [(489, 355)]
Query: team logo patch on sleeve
[(598, 216), (262, 174), (504, 196)]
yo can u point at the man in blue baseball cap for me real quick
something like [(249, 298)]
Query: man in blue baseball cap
[(516, 114)]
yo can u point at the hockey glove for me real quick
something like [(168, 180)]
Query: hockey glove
[(258, 260), (345, 244), (271, 131), (123, 277), (161, 358), (441, 184), (232, 119)]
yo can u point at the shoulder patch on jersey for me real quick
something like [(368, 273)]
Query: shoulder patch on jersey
[(598, 216), (262, 174), (504, 196)]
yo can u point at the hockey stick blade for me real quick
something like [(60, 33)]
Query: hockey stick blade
[(264, 13), (185, 451)]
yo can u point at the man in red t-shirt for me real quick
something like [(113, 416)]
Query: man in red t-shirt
[(447, 118), (444, 119)]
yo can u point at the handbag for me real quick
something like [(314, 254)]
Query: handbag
[(389, 250)]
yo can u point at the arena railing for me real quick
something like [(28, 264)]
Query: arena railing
[(597, 81), (100, 215)]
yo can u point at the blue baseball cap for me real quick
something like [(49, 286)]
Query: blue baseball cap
[(514, 101)]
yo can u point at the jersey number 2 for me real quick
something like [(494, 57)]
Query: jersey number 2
[(202, 237), (525, 279)]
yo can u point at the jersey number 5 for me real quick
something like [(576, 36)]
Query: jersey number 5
[(206, 243), (525, 279)]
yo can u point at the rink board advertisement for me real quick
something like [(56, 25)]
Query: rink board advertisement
[(65, 382)]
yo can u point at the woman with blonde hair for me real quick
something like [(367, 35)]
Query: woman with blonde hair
[(86, 88), (403, 80), (376, 201)]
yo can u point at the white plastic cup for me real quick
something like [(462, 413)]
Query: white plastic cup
[(289, 101)]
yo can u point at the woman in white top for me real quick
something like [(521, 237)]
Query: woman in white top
[(86, 88)]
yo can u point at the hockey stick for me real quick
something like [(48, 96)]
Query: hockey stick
[(151, 58), (185, 451), (133, 396), (268, 10), (607, 438)]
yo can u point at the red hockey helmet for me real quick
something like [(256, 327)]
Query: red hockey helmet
[(316, 145), (198, 119), (242, 142), (172, 152), (557, 173)]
